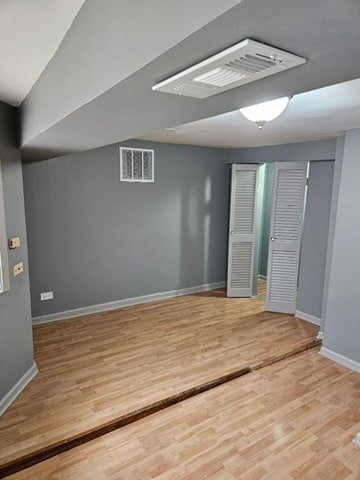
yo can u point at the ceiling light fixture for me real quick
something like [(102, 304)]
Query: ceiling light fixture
[(266, 111)]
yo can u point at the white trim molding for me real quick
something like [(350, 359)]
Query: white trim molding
[(338, 358), (19, 386), (308, 318), (261, 277), (126, 302)]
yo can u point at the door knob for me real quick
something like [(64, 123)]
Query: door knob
[(272, 238), (231, 232)]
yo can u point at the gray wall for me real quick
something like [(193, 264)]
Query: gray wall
[(16, 351), (93, 239), (292, 152), (315, 238), (332, 222), (342, 327), (267, 207)]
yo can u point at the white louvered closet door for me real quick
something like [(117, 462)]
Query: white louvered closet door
[(242, 230), (285, 236)]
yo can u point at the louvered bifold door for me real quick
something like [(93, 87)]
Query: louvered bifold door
[(242, 231), (285, 236)]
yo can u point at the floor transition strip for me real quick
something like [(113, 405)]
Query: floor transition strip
[(69, 443)]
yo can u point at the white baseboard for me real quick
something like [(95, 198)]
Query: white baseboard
[(127, 302), (262, 277), (336, 357), (307, 317), (6, 401)]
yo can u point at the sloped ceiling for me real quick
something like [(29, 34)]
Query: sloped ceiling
[(96, 89), (30, 33)]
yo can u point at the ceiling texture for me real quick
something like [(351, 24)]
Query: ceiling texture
[(97, 72), (323, 113), (30, 33)]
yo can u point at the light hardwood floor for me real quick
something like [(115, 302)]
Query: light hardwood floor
[(96, 368), (293, 420)]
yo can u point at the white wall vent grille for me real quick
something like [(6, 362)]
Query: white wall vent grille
[(136, 165), (242, 63)]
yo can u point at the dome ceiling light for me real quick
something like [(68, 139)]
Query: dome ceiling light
[(266, 111)]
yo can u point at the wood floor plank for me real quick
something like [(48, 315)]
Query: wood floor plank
[(99, 368), (272, 424)]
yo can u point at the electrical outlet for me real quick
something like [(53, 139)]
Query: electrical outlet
[(14, 242), (46, 296), (18, 268)]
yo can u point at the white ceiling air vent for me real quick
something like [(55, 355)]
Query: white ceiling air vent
[(136, 165), (242, 63)]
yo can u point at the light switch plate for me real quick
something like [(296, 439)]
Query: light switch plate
[(18, 268)]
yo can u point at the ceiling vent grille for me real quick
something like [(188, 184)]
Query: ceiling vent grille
[(242, 63), (136, 165)]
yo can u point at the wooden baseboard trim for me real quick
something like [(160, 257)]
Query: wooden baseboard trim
[(54, 449), (9, 398), (126, 302)]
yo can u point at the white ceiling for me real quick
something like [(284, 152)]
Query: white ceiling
[(86, 70), (30, 33), (318, 114)]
